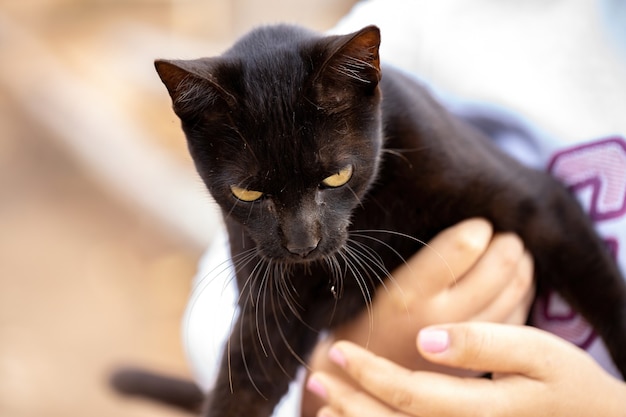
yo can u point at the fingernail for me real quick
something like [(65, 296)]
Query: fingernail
[(316, 387), (433, 340), (337, 357)]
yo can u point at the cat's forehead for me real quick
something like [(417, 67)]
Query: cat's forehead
[(288, 136), (272, 85), (299, 161), (295, 154)]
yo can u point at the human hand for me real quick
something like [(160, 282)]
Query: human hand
[(535, 374), (466, 273)]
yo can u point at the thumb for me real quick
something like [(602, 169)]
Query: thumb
[(490, 347)]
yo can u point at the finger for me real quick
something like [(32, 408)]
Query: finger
[(344, 399), (487, 279), (446, 258), (526, 284), (490, 347), (513, 303), (397, 388)]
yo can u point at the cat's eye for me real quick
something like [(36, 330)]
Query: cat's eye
[(338, 179), (245, 194)]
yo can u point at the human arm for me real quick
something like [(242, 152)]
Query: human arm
[(535, 374)]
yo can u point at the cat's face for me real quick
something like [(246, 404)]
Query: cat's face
[(284, 129)]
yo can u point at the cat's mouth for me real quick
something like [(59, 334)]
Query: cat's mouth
[(294, 258), (304, 255), (299, 254)]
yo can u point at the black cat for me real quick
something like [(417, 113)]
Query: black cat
[(324, 166)]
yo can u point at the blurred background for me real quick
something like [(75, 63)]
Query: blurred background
[(102, 218)]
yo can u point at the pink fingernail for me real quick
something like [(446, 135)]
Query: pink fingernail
[(433, 340), (337, 357), (316, 387)]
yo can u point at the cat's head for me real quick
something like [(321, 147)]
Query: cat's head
[(285, 131)]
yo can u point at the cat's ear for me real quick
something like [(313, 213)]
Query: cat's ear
[(352, 60), (191, 85)]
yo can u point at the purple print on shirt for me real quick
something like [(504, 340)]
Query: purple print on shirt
[(596, 173), (599, 167)]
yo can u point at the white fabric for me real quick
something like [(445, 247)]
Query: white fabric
[(557, 63)]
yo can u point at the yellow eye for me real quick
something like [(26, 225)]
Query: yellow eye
[(245, 195), (339, 179)]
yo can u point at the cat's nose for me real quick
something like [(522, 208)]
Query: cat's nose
[(302, 251)]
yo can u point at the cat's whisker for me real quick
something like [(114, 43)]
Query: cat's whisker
[(243, 354), (336, 274), (231, 266), (225, 266), (385, 275), (247, 288), (361, 262), (353, 261), (375, 265), (281, 289), (274, 270), (246, 300), (292, 303), (379, 262), (261, 301), (241, 262), (380, 241), (360, 281), (273, 304), (404, 235), (246, 291), (288, 293), (400, 153), (341, 274), (285, 340), (337, 277), (264, 273), (371, 263), (356, 197), (245, 361), (285, 295)]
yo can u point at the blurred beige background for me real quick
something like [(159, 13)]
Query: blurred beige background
[(102, 219)]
